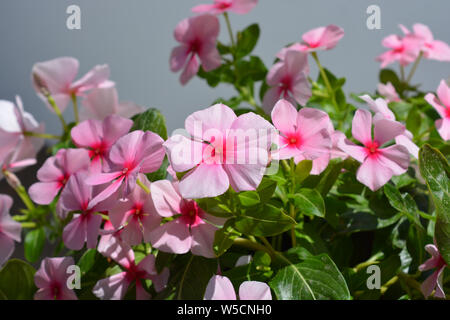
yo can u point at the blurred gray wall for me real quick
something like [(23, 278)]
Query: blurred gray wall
[(135, 38)]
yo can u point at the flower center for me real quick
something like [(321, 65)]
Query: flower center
[(372, 148), (190, 213)]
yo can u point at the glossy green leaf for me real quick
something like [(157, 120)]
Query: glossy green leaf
[(249, 198), (223, 238), (34, 244), (17, 280), (309, 202), (151, 120), (302, 170), (247, 40)]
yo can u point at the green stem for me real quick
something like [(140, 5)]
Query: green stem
[(286, 166), (42, 135), (143, 186), (402, 73), (230, 31), (28, 225), (414, 67), (20, 218), (325, 79), (251, 245), (52, 102), (293, 237), (75, 108)]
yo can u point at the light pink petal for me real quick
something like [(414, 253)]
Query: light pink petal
[(93, 79), (203, 239), (209, 56), (379, 106), (331, 36), (271, 97), (439, 51), (386, 130), (74, 234), (44, 192), (75, 160), (190, 70), (254, 131), (112, 288), (183, 153), (178, 58), (405, 141), (77, 193), (243, 6), (166, 198), (443, 127), (101, 102), (431, 99), (219, 288), (423, 32), (311, 121), (432, 282), (192, 185), (254, 290), (111, 247), (396, 158), (93, 222), (276, 73), (301, 90), (352, 150), (106, 193), (362, 126), (44, 294), (6, 248), (201, 8), (284, 116), (87, 133), (313, 37), (373, 173), (132, 233), (160, 281), (148, 265), (443, 92), (151, 152), (173, 237)]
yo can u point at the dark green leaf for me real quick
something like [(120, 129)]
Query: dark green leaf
[(87, 261), (16, 280), (151, 120), (224, 237), (246, 40), (302, 170), (34, 243), (249, 198), (309, 202)]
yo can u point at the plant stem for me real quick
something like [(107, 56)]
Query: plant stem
[(293, 237), (14, 182), (52, 102), (28, 225), (325, 79), (414, 67), (251, 245), (143, 186), (230, 31), (42, 135), (285, 166), (402, 73), (75, 108)]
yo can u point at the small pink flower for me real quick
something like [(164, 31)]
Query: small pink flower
[(14, 160), (221, 288), (197, 37), (431, 48), (435, 280), (55, 173), (99, 136), (221, 6), (102, 102), (222, 149), (191, 230), (288, 80), (442, 106), (9, 229), (404, 50), (378, 164), (136, 214), (137, 152), (58, 76), (388, 91), (51, 279)]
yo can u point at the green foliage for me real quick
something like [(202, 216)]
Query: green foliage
[(34, 244), (17, 280)]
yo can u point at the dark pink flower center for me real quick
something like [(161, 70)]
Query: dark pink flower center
[(447, 112), (55, 289), (62, 180), (190, 213), (98, 150), (215, 152), (195, 45), (293, 140), (134, 273), (138, 211), (286, 85), (372, 148), (222, 5)]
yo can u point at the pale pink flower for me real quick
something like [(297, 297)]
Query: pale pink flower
[(197, 37), (288, 80), (58, 77), (99, 136), (322, 38), (388, 92), (221, 6), (221, 288), (51, 279), (378, 164), (9, 229), (222, 149), (136, 215), (404, 50), (137, 152), (102, 102), (442, 106), (434, 281), (15, 159), (190, 230), (55, 172)]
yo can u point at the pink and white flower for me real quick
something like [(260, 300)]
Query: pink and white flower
[(402, 49), (221, 288), (434, 281), (9, 229), (442, 105), (388, 92), (222, 6)]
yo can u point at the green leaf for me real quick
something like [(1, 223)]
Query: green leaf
[(215, 207), (388, 75), (316, 278), (151, 120), (247, 40), (159, 174), (266, 189), (329, 176), (16, 280), (87, 261), (414, 121), (309, 202), (249, 198), (302, 170), (34, 243), (265, 220), (224, 237)]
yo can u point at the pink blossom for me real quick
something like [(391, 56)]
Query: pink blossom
[(136, 214), (85, 225), (55, 173), (388, 92), (222, 149), (404, 50), (99, 136), (137, 152), (14, 160), (221, 6), (442, 106), (58, 76), (190, 231), (9, 229), (435, 280), (378, 164), (197, 37), (288, 80), (102, 102), (51, 279), (221, 288)]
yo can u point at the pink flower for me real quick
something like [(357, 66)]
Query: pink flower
[(103, 102), (435, 280), (58, 77), (116, 286), (222, 149), (304, 134), (9, 229), (221, 288), (14, 160), (51, 279), (99, 136), (431, 48), (190, 231), (136, 214), (85, 225), (442, 106), (378, 164), (197, 36), (323, 38), (288, 80), (388, 92), (404, 50), (137, 152), (221, 6), (55, 173)]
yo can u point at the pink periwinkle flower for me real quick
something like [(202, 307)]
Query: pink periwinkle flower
[(136, 215), (221, 6), (51, 279), (442, 106), (222, 150), (14, 160), (58, 77), (221, 288), (99, 136), (190, 230), (378, 164), (388, 92), (55, 172), (197, 37), (402, 49), (137, 152), (434, 281), (288, 80), (9, 229)]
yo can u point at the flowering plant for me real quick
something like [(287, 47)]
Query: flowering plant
[(286, 190)]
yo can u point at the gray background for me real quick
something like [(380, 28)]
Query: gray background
[(135, 38)]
